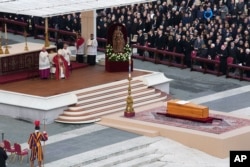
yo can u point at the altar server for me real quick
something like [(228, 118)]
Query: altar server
[(92, 45), (44, 64)]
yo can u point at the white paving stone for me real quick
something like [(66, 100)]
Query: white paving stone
[(169, 152), (102, 153), (242, 112), (221, 95)]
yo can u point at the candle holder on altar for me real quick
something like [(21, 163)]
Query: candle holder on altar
[(26, 45), (129, 112), (47, 44), (1, 50), (6, 47)]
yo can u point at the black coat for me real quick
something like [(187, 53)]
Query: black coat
[(160, 42), (170, 45), (247, 58), (3, 157), (179, 46), (141, 40), (211, 52), (151, 41)]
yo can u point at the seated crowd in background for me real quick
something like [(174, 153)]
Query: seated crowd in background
[(211, 27)]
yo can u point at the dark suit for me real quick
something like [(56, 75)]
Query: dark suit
[(151, 44), (223, 61), (141, 41), (160, 44), (3, 157), (178, 49), (247, 58)]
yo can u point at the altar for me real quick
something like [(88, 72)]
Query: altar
[(19, 60)]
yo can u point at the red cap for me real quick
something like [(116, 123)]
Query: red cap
[(37, 123)]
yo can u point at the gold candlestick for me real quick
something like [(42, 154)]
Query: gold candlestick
[(47, 44), (6, 47), (129, 112), (1, 50), (26, 45)]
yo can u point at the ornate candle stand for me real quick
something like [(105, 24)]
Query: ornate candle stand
[(129, 112), (1, 50), (26, 45), (6, 47), (47, 43)]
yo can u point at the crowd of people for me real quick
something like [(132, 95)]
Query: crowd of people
[(69, 22), (211, 27)]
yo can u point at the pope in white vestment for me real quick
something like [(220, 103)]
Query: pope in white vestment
[(66, 53)]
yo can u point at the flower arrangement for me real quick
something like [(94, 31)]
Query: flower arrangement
[(118, 56)]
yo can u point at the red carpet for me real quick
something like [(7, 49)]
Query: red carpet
[(25, 75), (204, 120), (219, 125)]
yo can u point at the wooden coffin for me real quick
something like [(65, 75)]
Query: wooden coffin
[(187, 109)]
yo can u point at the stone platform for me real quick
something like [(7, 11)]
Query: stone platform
[(216, 138)]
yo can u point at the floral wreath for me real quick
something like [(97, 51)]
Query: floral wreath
[(118, 56)]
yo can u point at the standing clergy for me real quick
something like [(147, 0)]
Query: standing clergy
[(91, 50), (79, 48), (35, 145), (44, 64)]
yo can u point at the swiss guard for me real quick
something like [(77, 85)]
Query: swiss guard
[(35, 144)]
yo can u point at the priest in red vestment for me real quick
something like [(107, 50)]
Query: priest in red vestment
[(62, 69)]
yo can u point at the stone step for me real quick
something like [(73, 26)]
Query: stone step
[(111, 92), (97, 102), (115, 149), (155, 164), (110, 108), (114, 101), (98, 154), (95, 115), (119, 95), (121, 92), (137, 162), (116, 159), (106, 87)]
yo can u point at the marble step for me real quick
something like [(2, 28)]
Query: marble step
[(121, 92), (155, 164), (102, 111), (124, 147), (117, 159), (93, 105), (137, 162), (107, 87)]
